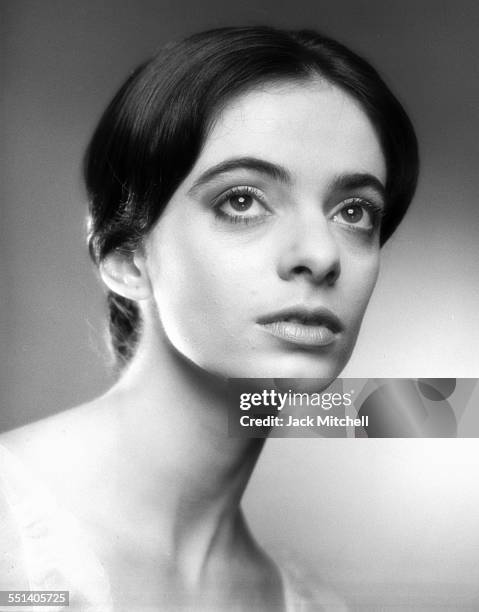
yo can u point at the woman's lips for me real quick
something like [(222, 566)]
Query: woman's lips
[(298, 333), (303, 326)]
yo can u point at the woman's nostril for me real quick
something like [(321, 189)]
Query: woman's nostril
[(302, 270), (329, 277), (333, 275)]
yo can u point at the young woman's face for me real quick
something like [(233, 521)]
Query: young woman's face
[(264, 260)]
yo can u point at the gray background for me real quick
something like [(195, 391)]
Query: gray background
[(61, 63)]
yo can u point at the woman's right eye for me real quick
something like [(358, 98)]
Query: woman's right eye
[(243, 204)]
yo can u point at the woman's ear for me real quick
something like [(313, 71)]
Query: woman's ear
[(126, 273)]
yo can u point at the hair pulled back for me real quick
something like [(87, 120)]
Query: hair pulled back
[(152, 132)]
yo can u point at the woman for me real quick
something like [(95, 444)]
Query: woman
[(241, 184)]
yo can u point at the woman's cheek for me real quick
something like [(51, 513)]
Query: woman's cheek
[(198, 293), (364, 283)]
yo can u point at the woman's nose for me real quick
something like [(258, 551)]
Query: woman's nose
[(309, 250)]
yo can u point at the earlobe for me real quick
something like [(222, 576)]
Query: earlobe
[(126, 274)]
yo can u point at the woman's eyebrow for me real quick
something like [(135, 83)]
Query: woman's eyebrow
[(358, 180), (242, 163)]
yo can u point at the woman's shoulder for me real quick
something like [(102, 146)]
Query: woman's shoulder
[(45, 468), (60, 425), (62, 447), (42, 544)]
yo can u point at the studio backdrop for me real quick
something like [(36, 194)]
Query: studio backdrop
[(378, 519)]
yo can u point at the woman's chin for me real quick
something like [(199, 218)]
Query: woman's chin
[(303, 385), (300, 373)]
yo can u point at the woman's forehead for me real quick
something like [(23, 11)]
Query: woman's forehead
[(304, 127)]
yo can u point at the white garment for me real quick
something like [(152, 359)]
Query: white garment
[(42, 548)]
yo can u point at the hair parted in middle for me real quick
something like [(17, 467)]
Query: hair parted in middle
[(152, 132)]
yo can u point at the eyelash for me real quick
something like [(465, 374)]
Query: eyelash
[(242, 190), (376, 211)]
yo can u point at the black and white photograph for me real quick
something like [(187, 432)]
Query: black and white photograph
[(240, 306)]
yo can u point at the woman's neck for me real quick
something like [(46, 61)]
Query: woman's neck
[(177, 458)]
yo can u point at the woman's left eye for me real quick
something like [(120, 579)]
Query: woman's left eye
[(357, 213), (241, 205)]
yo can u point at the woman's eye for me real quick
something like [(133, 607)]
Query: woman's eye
[(241, 202), (241, 205), (357, 213)]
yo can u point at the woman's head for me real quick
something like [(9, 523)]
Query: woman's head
[(250, 167)]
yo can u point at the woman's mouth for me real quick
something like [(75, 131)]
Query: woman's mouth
[(303, 326)]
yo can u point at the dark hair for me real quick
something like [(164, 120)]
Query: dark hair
[(152, 132)]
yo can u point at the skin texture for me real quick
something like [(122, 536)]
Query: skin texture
[(212, 279), (148, 469)]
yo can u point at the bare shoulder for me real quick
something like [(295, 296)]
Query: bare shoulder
[(65, 447), (53, 483)]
